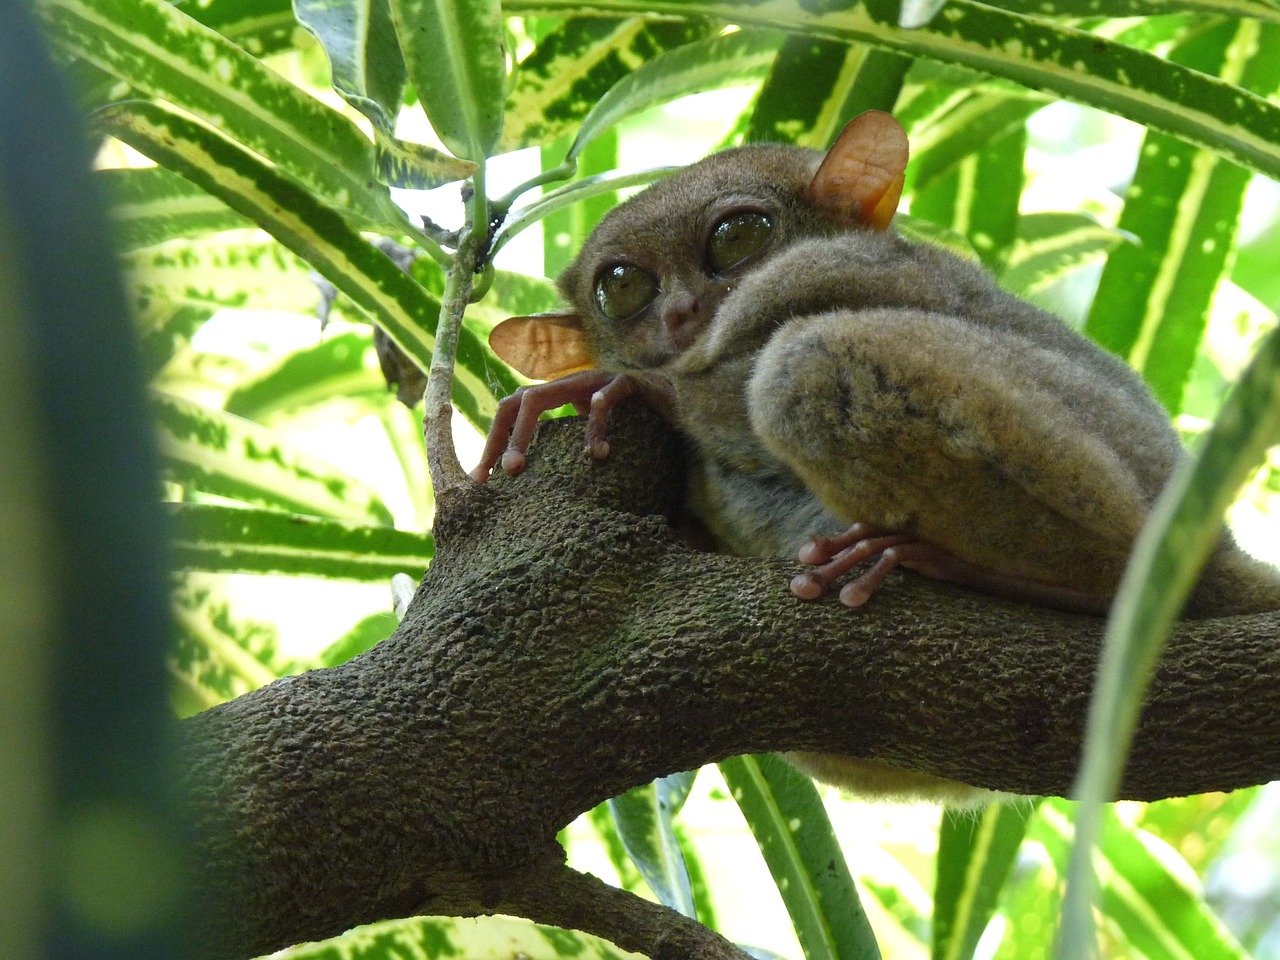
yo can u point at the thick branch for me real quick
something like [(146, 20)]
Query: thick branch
[(565, 646)]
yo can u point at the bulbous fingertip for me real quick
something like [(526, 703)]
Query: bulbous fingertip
[(513, 462), (806, 587)]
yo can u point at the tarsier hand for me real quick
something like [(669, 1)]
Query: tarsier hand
[(593, 392)]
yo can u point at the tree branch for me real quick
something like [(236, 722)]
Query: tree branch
[(564, 647)]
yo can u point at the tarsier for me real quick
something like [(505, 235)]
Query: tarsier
[(856, 400)]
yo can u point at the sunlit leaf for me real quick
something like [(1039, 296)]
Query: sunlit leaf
[(644, 819)]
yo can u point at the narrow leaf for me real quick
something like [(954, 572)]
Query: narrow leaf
[(573, 66), (320, 236), (703, 65), (644, 819), (1036, 53), (1144, 900), (221, 454), (152, 205), (975, 854), (1182, 528), (340, 366), (236, 540), (1051, 245), (156, 48), (455, 57), (785, 814), (1183, 206)]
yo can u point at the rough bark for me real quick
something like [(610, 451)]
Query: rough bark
[(565, 646)]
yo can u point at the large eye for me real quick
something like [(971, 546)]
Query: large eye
[(736, 239), (623, 290)]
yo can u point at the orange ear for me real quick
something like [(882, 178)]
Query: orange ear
[(543, 346), (861, 176)]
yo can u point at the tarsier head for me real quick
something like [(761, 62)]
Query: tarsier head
[(652, 275)]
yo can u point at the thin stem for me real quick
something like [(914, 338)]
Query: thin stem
[(442, 456), (562, 172)]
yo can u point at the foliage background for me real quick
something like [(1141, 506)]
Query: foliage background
[(285, 455)]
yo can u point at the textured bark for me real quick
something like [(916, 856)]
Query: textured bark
[(565, 646)]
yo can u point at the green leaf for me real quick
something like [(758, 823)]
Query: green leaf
[(152, 205), (364, 636), (606, 829), (1183, 206), (965, 125), (1182, 528), (702, 65), (785, 813), (368, 71), (402, 307), (1238, 9), (576, 192), (1036, 53), (156, 48), (1144, 899), (976, 851), (171, 328), (237, 540), (979, 197), (338, 367), (218, 453), (1051, 245), (564, 231), (214, 657), (234, 271), (840, 81), (456, 938), (454, 53), (644, 819), (575, 65), (261, 27)]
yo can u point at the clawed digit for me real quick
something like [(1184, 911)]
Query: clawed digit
[(593, 392)]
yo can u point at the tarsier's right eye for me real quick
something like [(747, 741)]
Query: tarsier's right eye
[(624, 289)]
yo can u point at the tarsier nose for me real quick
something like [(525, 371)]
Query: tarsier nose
[(682, 320)]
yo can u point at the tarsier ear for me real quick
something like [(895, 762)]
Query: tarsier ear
[(861, 176), (543, 346)]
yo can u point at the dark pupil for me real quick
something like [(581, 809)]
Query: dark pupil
[(737, 239), (624, 290)]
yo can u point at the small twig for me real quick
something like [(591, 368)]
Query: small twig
[(442, 456)]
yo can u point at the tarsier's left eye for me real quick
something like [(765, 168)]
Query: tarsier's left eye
[(736, 239)]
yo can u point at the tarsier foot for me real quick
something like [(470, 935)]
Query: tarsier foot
[(834, 557), (594, 392)]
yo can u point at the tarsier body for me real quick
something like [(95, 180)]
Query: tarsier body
[(831, 373)]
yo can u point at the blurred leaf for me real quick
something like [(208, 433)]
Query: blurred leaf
[(319, 235), (1145, 891), (237, 540), (475, 938), (1198, 826), (926, 231), (976, 852), (365, 635), (961, 127), (261, 27), (214, 657), (840, 81), (215, 80), (1051, 245), (1259, 9), (225, 455), (1183, 206), (235, 270), (702, 65), (341, 366), (575, 192), (565, 230), (1182, 528), (786, 817), (171, 328), (979, 197), (606, 828), (916, 13), (151, 204), (1037, 53), (454, 53), (574, 65), (644, 819)]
